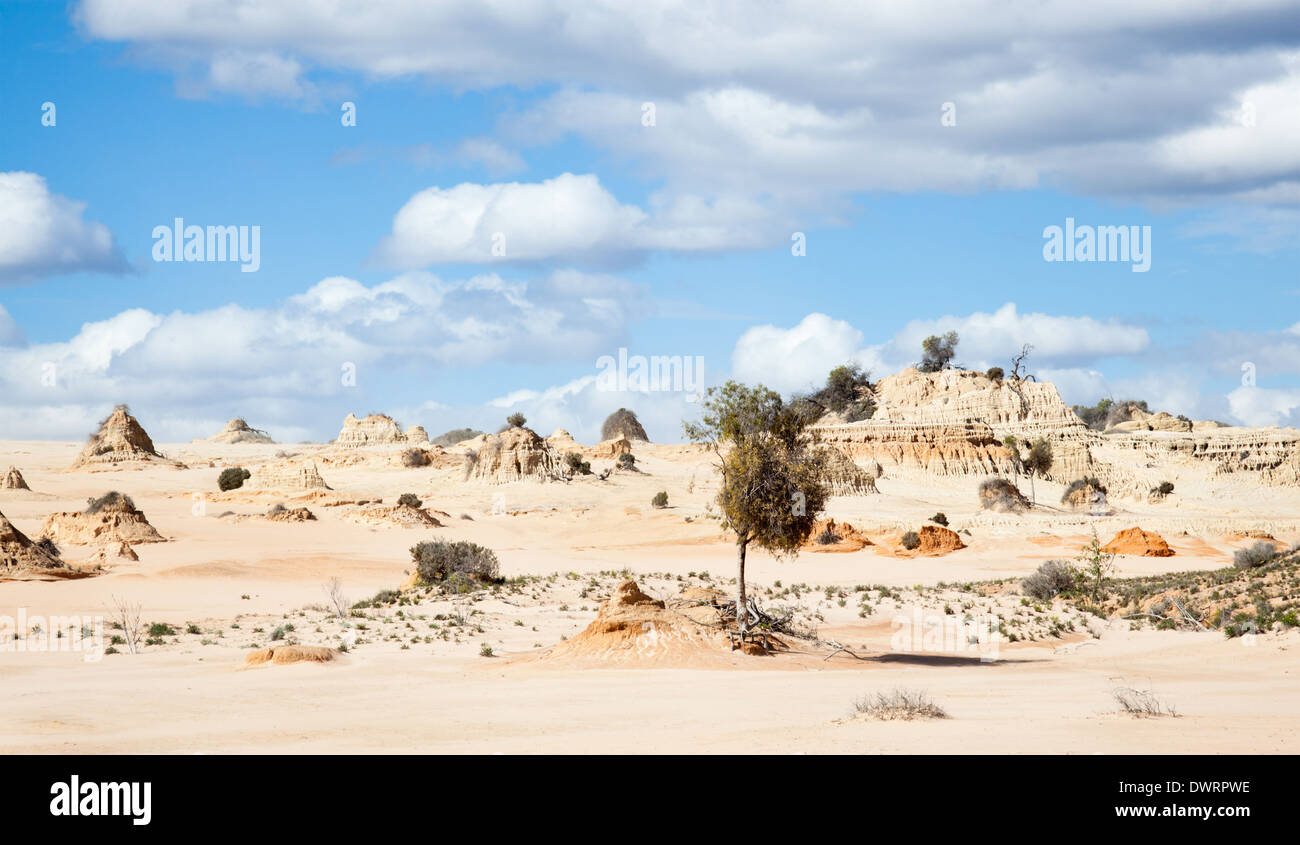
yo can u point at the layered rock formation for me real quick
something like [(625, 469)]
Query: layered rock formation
[(634, 627), (120, 443), (19, 555), (416, 434), (374, 430), (111, 519), (846, 478), (516, 454), (562, 442), (239, 431), (953, 423), (14, 480), (288, 475)]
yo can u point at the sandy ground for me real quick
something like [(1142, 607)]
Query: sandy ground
[(186, 696)]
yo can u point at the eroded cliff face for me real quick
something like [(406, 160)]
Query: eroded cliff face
[(954, 422), (374, 429), (516, 454)]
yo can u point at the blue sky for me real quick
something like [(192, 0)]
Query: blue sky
[(670, 239)]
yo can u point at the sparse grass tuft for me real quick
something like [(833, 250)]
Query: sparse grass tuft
[(899, 705)]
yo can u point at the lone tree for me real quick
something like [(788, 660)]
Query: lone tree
[(772, 482), (516, 420), (937, 352), (1038, 462)]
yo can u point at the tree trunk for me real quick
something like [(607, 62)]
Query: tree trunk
[(742, 605)]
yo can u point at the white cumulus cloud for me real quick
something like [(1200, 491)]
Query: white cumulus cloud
[(43, 233)]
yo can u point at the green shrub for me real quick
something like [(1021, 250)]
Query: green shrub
[(995, 373), (456, 435), (516, 420), (454, 563), (911, 541), (940, 518), (1255, 556), (410, 500), (1050, 580), (415, 457), (576, 464), (161, 629), (232, 478), (660, 500), (111, 499), (627, 460)]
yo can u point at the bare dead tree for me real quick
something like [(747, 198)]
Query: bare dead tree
[(127, 616), (338, 601), (1018, 375)]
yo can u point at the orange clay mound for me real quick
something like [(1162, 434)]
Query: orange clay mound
[(283, 654), (632, 627), (935, 541), (1135, 541), (849, 539)]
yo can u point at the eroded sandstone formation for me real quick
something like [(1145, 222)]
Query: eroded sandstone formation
[(120, 443), (239, 431), (288, 475), (516, 454), (955, 423)]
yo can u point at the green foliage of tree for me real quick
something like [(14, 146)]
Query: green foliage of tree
[(937, 352), (847, 392), (772, 482)]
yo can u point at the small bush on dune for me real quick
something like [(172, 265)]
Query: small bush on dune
[(911, 541), (828, 537), (940, 518), (456, 435), (232, 478), (995, 373), (1255, 556), (111, 499), (660, 500), (410, 500), (627, 460), (998, 493), (413, 458), (576, 464), (1052, 578), (454, 563)]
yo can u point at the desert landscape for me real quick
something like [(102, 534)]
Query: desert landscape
[(551, 378), (289, 613)]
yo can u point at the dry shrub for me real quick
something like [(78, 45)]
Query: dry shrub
[(899, 705)]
